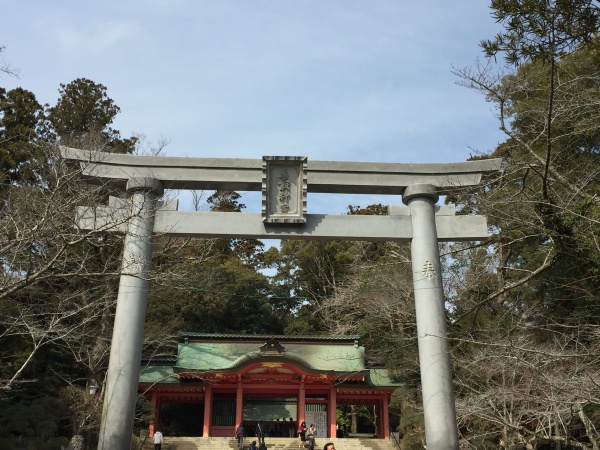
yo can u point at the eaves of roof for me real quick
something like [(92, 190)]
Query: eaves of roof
[(262, 337), (158, 375)]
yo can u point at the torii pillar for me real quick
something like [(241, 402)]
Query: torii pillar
[(128, 333), (434, 358)]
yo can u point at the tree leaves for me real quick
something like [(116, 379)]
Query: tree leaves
[(541, 29), (20, 118)]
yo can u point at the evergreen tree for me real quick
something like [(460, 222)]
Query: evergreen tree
[(20, 115), (85, 110), (215, 285)]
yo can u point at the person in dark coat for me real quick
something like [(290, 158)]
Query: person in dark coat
[(285, 427), (277, 428), (261, 431), (239, 434)]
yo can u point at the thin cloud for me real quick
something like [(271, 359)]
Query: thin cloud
[(98, 39)]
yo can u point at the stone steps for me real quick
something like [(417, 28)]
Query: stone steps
[(212, 443)]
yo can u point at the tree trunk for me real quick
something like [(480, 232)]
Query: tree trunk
[(76, 443), (590, 430)]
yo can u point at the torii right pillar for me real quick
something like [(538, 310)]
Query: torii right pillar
[(434, 357)]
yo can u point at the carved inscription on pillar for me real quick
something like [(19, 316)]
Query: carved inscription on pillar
[(428, 270), (284, 189), (133, 266)]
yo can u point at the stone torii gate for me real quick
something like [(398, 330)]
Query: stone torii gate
[(284, 182)]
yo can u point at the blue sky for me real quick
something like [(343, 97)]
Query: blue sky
[(327, 79)]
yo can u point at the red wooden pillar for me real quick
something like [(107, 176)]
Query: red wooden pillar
[(239, 404), (207, 411), (155, 413), (331, 409), (385, 409), (301, 404), (378, 419)]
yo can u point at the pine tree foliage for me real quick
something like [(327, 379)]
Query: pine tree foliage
[(84, 109), (541, 29)]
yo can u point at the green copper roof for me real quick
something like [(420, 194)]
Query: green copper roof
[(221, 352), (382, 378), (318, 356), (158, 374)]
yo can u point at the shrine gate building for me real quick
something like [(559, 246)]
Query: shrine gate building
[(222, 380)]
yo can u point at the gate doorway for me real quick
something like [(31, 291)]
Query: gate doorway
[(182, 419)]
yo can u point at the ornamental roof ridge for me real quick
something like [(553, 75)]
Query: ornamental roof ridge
[(155, 359), (279, 337)]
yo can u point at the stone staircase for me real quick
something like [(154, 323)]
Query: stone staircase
[(220, 443)]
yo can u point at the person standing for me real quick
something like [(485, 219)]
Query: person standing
[(302, 434), (157, 439), (271, 428), (285, 428), (239, 434), (277, 428), (311, 433), (291, 428), (261, 431)]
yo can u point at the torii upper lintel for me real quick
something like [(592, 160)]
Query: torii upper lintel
[(336, 177)]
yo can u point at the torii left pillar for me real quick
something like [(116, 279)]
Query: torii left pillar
[(126, 348)]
